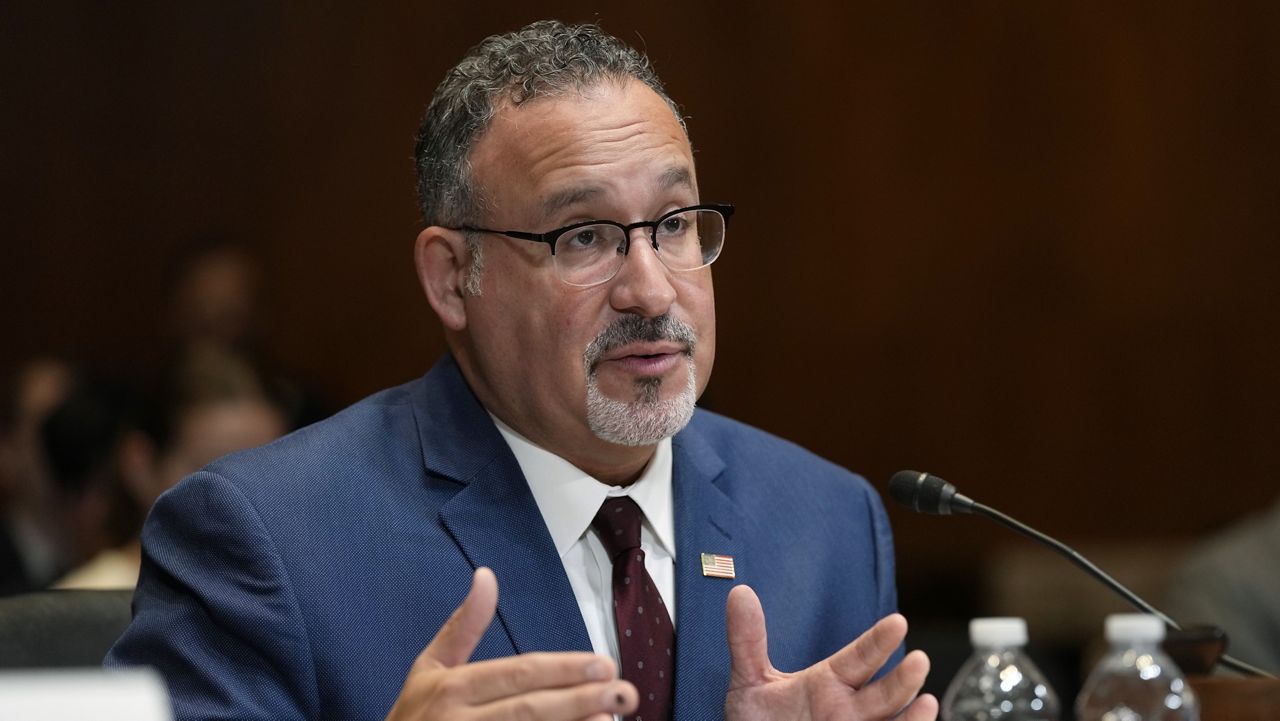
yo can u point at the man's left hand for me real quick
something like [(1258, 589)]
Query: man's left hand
[(837, 688)]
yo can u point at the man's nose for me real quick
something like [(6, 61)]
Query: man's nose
[(643, 284)]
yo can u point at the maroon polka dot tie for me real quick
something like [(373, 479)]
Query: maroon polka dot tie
[(646, 639)]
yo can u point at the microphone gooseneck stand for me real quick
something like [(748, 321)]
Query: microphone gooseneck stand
[(927, 493)]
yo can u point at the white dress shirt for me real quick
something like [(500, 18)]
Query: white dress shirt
[(568, 499)]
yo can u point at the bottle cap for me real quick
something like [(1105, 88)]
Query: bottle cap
[(1007, 631), (1132, 627)]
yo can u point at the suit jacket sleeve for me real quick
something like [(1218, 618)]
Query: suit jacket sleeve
[(215, 611), (886, 584)]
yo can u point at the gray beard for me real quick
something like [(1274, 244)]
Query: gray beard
[(645, 420)]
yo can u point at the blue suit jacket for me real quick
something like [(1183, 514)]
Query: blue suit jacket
[(300, 580)]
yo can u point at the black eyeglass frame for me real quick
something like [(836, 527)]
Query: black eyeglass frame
[(724, 209)]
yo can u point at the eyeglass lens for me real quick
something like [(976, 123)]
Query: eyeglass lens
[(592, 254)]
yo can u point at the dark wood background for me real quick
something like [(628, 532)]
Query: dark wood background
[(1029, 246)]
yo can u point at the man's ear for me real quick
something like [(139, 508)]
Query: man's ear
[(443, 260)]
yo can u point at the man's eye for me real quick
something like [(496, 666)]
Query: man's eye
[(584, 238), (673, 225)]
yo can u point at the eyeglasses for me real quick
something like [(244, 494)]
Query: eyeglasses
[(592, 252)]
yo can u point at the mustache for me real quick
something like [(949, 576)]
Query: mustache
[(635, 329)]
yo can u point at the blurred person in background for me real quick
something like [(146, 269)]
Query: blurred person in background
[(79, 439), (31, 543), (116, 453), (217, 302), (1232, 581), (216, 298)]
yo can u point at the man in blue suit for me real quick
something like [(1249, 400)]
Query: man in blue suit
[(350, 570)]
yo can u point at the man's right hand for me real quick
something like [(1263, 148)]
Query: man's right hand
[(542, 686)]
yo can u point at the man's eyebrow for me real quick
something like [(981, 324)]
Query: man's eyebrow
[(675, 175), (568, 197)]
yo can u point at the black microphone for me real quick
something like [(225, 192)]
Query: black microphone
[(927, 493)]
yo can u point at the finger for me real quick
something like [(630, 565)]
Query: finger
[(608, 698), (487, 681), (898, 687), (457, 638), (924, 708), (748, 639), (856, 663)]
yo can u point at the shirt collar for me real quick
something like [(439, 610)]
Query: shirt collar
[(568, 498)]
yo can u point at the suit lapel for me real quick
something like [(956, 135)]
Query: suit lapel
[(494, 518), (707, 521)]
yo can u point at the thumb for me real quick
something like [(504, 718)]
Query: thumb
[(748, 641), (457, 638)]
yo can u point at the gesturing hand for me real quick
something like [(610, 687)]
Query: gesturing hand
[(552, 686), (836, 688)]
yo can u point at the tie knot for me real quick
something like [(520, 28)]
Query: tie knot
[(618, 523)]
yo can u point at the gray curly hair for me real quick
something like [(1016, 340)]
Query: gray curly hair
[(542, 59)]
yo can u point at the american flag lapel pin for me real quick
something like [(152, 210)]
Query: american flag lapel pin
[(716, 565)]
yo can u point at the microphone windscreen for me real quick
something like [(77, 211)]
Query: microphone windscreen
[(904, 487), (923, 492)]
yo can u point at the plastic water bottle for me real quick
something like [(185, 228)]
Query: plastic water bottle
[(999, 682), (1136, 681)]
